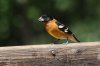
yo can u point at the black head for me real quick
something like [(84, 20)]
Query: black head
[(45, 18)]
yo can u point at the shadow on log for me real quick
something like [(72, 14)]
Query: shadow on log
[(74, 54)]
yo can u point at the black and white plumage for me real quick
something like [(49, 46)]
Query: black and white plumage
[(63, 28)]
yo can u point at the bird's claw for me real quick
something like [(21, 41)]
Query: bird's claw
[(66, 42)]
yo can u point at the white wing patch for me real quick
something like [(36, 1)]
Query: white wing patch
[(66, 30), (61, 26)]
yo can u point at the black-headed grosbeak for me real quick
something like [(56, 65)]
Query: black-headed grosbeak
[(56, 29)]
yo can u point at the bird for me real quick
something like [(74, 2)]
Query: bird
[(57, 29)]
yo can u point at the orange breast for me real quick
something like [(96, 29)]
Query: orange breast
[(53, 30)]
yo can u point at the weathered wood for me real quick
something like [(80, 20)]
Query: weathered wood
[(74, 54)]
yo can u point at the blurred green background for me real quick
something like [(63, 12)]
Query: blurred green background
[(19, 24)]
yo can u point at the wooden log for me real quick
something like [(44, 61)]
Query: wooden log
[(73, 54)]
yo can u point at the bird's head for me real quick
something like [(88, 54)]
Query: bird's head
[(45, 18)]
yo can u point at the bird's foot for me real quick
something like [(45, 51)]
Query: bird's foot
[(66, 42)]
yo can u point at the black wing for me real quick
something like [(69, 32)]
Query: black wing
[(63, 28)]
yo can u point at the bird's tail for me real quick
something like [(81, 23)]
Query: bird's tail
[(73, 38)]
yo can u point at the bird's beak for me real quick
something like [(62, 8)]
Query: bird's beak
[(41, 19)]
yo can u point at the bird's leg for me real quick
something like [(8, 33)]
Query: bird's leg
[(56, 41), (67, 41)]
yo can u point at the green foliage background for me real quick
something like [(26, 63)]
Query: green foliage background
[(19, 24)]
